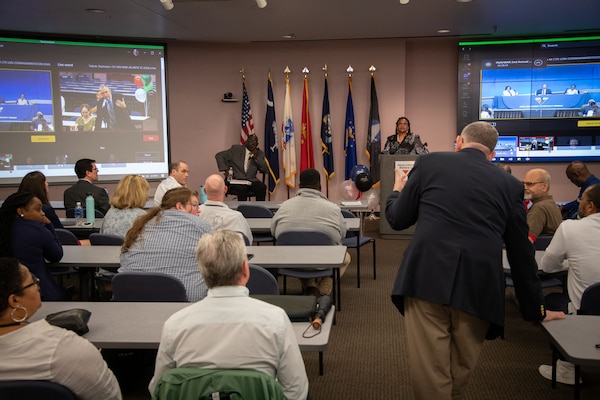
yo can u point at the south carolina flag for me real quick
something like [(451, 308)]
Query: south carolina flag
[(350, 142), (289, 148)]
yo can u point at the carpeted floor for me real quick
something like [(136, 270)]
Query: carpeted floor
[(367, 357)]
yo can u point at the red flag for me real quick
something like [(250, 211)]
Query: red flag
[(307, 159)]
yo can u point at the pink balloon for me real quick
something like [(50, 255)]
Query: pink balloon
[(349, 190)]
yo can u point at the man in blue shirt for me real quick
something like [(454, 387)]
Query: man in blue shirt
[(578, 173)]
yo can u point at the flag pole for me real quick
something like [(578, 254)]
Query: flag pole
[(327, 178)]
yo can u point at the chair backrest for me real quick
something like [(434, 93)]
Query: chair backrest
[(348, 214), (200, 383), (261, 281), (105, 239), (254, 211), (304, 237), (147, 286), (33, 390), (70, 213), (542, 242), (590, 300), (66, 237)]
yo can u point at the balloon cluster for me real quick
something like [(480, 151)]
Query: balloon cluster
[(359, 185), (144, 84)]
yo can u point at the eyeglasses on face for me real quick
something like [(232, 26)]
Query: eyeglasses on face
[(529, 184), (36, 281)]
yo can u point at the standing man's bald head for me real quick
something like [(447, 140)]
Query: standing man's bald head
[(215, 188)]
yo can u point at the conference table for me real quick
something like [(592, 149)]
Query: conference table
[(577, 338), (88, 258), (135, 325)]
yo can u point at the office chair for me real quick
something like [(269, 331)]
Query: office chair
[(203, 383), (147, 286), (104, 275), (590, 300), (257, 211), (34, 390), (354, 240), (261, 281), (66, 237), (307, 237)]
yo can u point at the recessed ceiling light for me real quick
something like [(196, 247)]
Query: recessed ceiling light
[(96, 11), (464, 1), (443, 31), (289, 36)]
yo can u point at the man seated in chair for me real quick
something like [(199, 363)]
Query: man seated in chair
[(543, 217), (245, 161), (310, 209), (574, 246), (228, 329), (217, 214)]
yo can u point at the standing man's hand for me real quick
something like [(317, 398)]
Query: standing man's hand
[(400, 180)]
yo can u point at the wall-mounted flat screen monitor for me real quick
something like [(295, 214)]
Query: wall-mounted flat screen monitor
[(543, 96), (65, 100)]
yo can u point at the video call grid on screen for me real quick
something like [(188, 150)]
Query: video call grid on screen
[(534, 88), (44, 84)]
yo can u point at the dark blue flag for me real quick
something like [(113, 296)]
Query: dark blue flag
[(350, 142), (326, 138), (271, 149)]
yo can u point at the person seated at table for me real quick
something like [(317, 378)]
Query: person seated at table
[(217, 214), (27, 234), (579, 174), (245, 161), (127, 204), (543, 217), (87, 172), (310, 209), (87, 122), (22, 100), (39, 123), (228, 329), (543, 90), (178, 175), (486, 112), (508, 91), (164, 239), (40, 351), (572, 90), (574, 246), (35, 182)]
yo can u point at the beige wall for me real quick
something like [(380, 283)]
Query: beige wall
[(416, 78)]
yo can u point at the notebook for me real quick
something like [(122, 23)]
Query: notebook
[(298, 308)]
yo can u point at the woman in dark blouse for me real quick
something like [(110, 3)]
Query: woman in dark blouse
[(35, 182), (404, 141), (26, 234)]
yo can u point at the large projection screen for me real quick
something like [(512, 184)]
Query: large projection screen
[(46, 87)]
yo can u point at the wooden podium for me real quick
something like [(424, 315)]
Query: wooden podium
[(387, 163)]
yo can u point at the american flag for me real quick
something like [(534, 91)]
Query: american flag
[(247, 122)]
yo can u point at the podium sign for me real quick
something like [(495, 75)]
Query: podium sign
[(387, 164)]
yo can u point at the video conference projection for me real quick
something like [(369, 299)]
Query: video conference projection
[(541, 95), (65, 100)]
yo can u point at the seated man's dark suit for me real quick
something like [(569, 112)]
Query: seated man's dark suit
[(466, 208), (79, 192), (234, 157), (122, 118)]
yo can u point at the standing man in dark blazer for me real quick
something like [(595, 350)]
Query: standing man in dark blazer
[(87, 172), (450, 286), (111, 111), (246, 161)]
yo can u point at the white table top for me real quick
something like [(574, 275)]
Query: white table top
[(358, 205), (309, 257), (576, 338), (138, 325), (538, 258)]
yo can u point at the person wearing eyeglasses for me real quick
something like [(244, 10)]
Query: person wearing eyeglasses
[(543, 217), (28, 235), (40, 351), (164, 239), (87, 172)]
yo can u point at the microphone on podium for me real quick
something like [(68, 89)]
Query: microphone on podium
[(323, 307)]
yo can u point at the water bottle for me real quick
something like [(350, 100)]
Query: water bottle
[(78, 213), (203, 196), (90, 209), (230, 176)]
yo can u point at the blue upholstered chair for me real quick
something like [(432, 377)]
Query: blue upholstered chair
[(147, 286), (261, 281), (34, 390), (257, 211), (354, 240)]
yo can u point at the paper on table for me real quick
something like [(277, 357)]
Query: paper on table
[(240, 182), (351, 203)]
